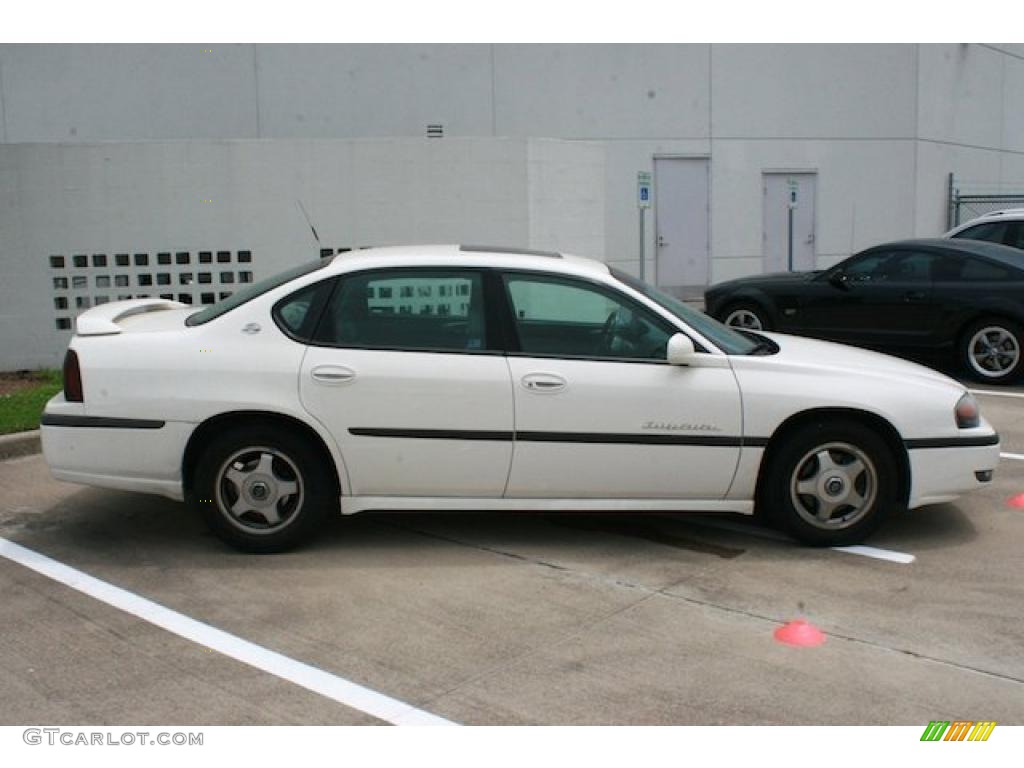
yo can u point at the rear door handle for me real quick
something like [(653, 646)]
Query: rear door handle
[(332, 374), (544, 382), (913, 296)]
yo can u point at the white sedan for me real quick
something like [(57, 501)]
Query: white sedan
[(467, 378)]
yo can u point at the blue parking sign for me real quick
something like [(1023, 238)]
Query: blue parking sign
[(643, 189)]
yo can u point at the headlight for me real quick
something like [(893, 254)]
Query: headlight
[(967, 412)]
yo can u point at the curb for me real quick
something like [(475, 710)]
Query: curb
[(19, 444)]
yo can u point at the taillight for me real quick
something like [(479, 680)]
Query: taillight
[(967, 413), (72, 379)]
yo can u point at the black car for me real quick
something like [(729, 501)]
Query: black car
[(962, 299)]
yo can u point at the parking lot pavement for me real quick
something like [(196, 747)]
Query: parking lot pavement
[(504, 619)]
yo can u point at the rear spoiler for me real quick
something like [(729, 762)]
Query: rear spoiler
[(103, 319)]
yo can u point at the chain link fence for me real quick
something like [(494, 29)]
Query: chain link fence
[(964, 207)]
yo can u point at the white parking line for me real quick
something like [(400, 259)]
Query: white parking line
[(766, 533), (879, 554), (994, 393), (1017, 456), (311, 678)]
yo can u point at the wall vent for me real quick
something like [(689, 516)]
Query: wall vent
[(75, 278)]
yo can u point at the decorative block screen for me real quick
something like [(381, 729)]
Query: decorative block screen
[(80, 281)]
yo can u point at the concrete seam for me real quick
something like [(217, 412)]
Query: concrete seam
[(494, 96), (3, 105), (999, 50), (256, 86), (664, 592), (917, 131)]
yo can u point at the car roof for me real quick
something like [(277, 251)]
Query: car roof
[(1006, 214), (1013, 257), (466, 255)]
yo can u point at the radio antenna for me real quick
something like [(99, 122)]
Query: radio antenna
[(306, 216)]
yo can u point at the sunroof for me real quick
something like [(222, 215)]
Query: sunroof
[(506, 249)]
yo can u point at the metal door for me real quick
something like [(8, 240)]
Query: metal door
[(788, 235), (681, 214)]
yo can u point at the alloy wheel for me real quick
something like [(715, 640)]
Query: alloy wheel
[(259, 490), (993, 352), (834, 486), (744, 318)]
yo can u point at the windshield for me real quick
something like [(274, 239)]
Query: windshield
[(250, 292), (728, 340)]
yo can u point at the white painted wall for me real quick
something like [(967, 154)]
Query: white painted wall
[(602, 91), (961, 95), (832, 92), (865, 195), (114, 147), (82, 93), (351, 91), (58, 199), (565, 197)]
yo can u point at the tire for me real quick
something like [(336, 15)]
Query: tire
[(992, 350), (262, 489), (831, 484), (746, 315)]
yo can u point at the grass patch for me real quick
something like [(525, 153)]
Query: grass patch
[(23, 402)]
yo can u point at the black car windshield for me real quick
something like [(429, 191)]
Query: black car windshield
[(250, 292), (728, 340)]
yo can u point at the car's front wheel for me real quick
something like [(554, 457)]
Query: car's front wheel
[(262, 489), (747, 316), (831, 484), (990, 350)]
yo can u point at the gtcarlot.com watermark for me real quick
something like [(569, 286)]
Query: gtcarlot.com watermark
[(68, 737)]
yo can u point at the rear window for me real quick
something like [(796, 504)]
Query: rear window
[(250, 292), (993, 232)]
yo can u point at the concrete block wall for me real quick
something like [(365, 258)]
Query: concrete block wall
[(105, 148), (225, 196)]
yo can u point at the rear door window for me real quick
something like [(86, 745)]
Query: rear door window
[(432, 310)]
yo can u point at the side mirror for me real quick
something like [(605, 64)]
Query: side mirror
[(680, 350), (839, 279)]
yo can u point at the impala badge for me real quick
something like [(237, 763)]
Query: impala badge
[(666, 426)]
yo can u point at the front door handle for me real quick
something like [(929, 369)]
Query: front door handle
[(913, 296), (544, 382), (332, 374)]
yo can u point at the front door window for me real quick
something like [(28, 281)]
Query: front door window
[(565, 318)]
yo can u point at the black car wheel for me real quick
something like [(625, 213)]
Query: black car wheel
[(990, 350), (748, 316), (262, 490), (831, 484)]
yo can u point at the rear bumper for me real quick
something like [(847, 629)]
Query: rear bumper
[(942, 474), (125, 454)]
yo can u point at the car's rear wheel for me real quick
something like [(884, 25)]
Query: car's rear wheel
[(831, 484), (990, 350), (262, 490), (746, 315)]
